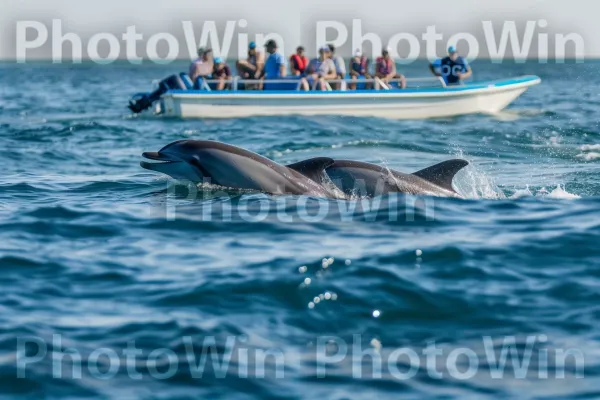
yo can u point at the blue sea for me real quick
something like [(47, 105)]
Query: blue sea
[(118, 283)]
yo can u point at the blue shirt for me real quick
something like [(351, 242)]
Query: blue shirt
[(273, 65), (449, 69)]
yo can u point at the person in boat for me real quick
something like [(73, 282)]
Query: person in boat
[(202, 67), (453, 68), (359, 67), (321, 69), (340, 66), (298, 62), (275, 67), (252, 67), (221, 72), (385, 69)]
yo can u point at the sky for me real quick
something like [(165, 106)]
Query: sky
[(296, 22)]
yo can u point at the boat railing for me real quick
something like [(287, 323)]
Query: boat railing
[(380, 84), (233, 84)]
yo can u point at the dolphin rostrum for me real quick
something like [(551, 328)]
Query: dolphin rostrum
[(357, 178), (233, 167)]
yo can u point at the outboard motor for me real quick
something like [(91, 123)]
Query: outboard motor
[(143, 101)]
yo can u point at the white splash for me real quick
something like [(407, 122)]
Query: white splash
[(560, 193), (473, 183), (589, 152), (589, 156), (520, 193), (589, 147)]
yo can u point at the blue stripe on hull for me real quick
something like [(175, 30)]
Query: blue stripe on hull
[(479, 85)]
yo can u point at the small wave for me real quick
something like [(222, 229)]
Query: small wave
[(558, 193), (589, 152), (515, 114), (520, 193), (589, 156), (287, 148), (588, 147)]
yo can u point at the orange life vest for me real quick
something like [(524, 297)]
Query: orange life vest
[(300, 63)]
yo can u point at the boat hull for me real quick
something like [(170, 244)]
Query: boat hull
[(489, 97)]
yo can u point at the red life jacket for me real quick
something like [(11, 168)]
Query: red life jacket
[(384, 66), (300, 63)]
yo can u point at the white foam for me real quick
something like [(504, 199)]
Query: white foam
[(589, 156), (560, 193), (520, 193), (588, 147)]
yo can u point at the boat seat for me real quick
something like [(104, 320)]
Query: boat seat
[(187, 81), (360, 85), (200, 84), (293, 84)]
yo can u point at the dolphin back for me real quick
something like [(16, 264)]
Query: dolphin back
[(443, 173), (313, 168)]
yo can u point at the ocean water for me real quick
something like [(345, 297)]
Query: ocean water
[(117, 283)]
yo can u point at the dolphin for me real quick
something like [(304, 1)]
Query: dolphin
[(355, 178), (233, 167)]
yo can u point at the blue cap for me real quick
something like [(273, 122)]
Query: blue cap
[(218, 60), (252, 45), (451, 49)]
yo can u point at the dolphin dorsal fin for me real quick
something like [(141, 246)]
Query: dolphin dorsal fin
[(313, 168), (443, 173)]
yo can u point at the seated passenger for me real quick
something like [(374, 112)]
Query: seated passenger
[(221, 72), (359, 66), (298, 62), (321, 69), (252, 67), (202, 67), (340, 67), (452, 68), (385, 69)]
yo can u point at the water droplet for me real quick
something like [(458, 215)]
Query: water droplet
[(376, 313), (311, 305), (307, 281), (330, 260), (348, 262), (419, 253), (302, 269), (316, 300), (327, 296), (333, 296)]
